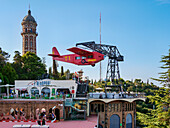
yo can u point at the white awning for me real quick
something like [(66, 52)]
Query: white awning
[(7, 85)]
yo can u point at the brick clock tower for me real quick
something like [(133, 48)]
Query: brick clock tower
[(29, 34)]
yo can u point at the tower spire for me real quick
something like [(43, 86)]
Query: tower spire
[(29, 11), (29, 6)]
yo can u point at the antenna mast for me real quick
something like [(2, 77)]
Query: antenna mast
[(100, 47)]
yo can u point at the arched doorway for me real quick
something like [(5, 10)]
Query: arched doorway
[(129, 121), (57, 113), (46, 92), (34, 91), (114, 121)]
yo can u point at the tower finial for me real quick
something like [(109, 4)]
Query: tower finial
[(29, 11)]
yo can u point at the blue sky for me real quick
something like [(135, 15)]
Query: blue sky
[(139, 28)]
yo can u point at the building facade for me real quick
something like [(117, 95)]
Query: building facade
[(29, 34), (114, 113), (47, 86)]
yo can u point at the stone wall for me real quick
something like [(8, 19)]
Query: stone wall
[(30, 105)]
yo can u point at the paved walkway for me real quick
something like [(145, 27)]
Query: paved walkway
[(89, 123)]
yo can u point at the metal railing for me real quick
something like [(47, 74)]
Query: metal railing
[(33, 97), (115, 95)]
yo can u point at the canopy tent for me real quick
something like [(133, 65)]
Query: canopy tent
[(7, 86)]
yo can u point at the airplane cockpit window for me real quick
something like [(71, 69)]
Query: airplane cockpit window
[(83, 57), (90, 56), (78, 57)]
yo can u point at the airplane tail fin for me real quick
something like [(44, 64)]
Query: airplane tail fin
[(55, 52)]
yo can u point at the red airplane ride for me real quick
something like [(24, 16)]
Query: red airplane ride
[(81, 56)]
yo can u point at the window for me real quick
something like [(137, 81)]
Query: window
[(113, 107), (83, 57), (132, 106), (31, 44), (117, 107), (26, 44), (25, 29), (78, 57), (110, 107), (31, 30), (90, 56)]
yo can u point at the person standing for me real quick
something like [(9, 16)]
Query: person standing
[(38, 116), (43, 117), (39, 119), (53, 116), (16, 113), (37, 113)]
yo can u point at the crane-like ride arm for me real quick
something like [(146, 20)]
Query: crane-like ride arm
[(114, 57)]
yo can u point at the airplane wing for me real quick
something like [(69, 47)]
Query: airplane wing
[(79, 51)]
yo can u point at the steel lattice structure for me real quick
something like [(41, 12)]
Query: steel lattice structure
[(114, 57)]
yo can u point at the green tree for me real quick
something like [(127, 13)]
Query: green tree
[(17, 64), (3, 58), (50, 71), (2, 78), (32, 66), (62, 71), (91, 81), (159, 116), (55, 71), (67, 74), (10, 73)]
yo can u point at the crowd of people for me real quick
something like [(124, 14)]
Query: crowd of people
[(14, 114), (19, 114)]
